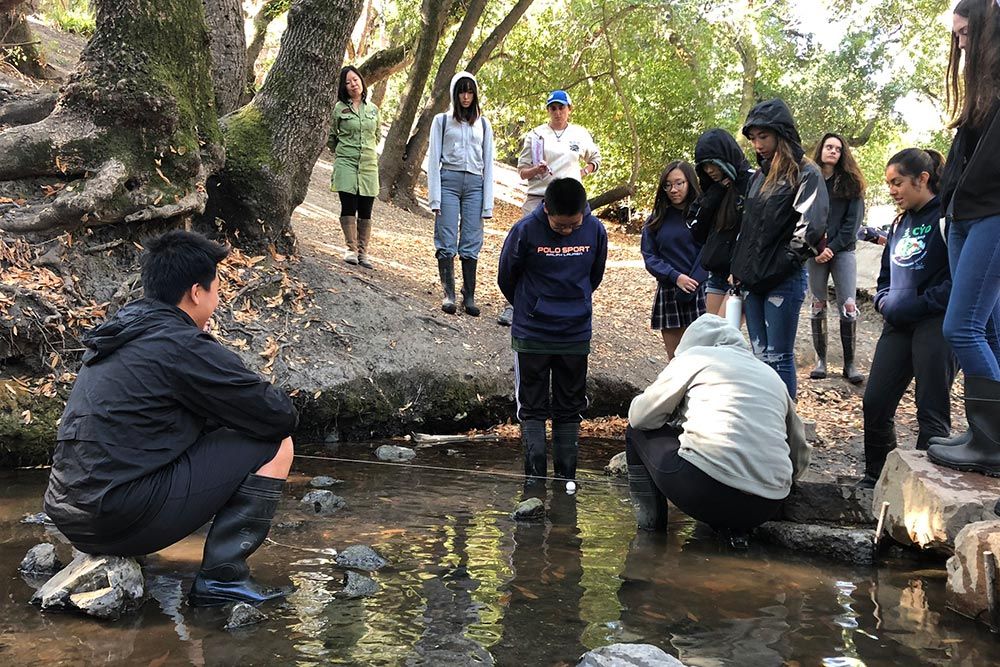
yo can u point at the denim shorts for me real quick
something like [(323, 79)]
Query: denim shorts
[(717, 284)]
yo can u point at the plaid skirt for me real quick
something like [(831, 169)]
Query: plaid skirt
[(671, 313)]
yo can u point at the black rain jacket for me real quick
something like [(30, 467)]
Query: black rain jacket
[(971, 182), (151, 384)]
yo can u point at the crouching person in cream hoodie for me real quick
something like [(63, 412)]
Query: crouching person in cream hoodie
[(716, 434)]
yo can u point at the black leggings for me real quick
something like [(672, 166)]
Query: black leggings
[(359, 205), (184, 495), (693, 492)]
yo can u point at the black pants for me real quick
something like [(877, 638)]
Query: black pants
[(901, 355), (359, 205), (184, 495), (695, 493), (567, 376)]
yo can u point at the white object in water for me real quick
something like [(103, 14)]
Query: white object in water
[(570, 487), (734, 310)]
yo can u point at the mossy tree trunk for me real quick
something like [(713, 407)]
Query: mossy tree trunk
[(135, 133), (273, 142), (270, 10), (228, 45), (17, 45)]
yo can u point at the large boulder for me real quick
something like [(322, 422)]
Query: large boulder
[(967, 570), (102, 586), (628, 655), (929, 504), (848, 545), (816, 500)]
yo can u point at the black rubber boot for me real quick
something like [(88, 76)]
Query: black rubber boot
[(446, 271), (649, 504), (876, 450), (535, 460), (238, 529), (819, 333), (469, 286), (848, 331), (982, 452), (564, 449), (960, 439)]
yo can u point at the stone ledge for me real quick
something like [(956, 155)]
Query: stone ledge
[(848, 545), (966, 588)]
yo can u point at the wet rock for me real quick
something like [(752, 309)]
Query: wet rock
[(394, 453), (243, 615), (361, 557), (358, 586), (848, 545), (322, 502), (323, 482), (289, 525), (966, 589), (101, 586), (929, 504), (628, 655), (617, 466), (531, 509), (40, 559), (814, 501), (39, 518)]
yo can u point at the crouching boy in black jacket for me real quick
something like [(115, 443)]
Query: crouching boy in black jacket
[(165, 428)]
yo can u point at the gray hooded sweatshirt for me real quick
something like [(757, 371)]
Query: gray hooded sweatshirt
[(740, 426)]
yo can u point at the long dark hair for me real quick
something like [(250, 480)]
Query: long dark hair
[(662, 203), (342, 94), (784, 167), (848, 181), (471, 114), (973, 81), (911, 162)]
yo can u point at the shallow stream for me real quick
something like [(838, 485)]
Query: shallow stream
[(467, 585)]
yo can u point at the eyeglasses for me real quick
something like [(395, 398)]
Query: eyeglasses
[(675, 185)]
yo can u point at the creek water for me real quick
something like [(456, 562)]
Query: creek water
[(469, 586)]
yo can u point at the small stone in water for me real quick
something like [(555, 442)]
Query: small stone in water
[(323, 481), (40, 559), (528, 510), (322, 502), (40, 518), (570, 487), (394, 453), (358, 586), (361, 557), (243, 615)]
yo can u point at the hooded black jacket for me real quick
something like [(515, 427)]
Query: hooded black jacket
[(718, 146), (151, 383), (971, 182), (784, 225)]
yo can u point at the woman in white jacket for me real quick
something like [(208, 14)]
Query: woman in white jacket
[(716, 434), (460, 188)]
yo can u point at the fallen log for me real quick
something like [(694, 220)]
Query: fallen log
[(427, 439)]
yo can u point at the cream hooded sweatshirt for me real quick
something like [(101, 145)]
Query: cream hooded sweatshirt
[(740, 426)]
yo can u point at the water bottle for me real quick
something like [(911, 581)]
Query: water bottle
[(734, 309)]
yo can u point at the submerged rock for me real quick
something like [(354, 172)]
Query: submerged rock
[(531, 509), (40, 559), (358, 586), (617, 467), (848, 545), (322, 502), (361, 557), (242, 615), (967, 586), (628, 655), (394, 453), (101, 586), (323, 482), (39, 518)]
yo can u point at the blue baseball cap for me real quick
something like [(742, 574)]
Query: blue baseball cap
[(560, 96)]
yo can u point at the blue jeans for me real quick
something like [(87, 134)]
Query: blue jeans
[(458, 228), (772, 320), (973, 318)]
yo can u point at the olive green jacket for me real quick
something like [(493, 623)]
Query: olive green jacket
[(353, 138)]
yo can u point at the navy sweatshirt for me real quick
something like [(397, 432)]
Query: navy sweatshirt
[(550, 278), (915, 281), (671, 250)]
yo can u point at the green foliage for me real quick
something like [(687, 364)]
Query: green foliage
[(73, 16)]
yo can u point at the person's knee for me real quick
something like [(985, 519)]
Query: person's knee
[(954, 330), (818, 307), (849, 311)]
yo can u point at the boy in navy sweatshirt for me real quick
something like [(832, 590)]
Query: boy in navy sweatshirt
[(552, 261)]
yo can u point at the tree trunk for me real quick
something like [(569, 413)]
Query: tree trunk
[(496, 37), (273, 142), (382, 64), (227, 43), (623, 98), (18, 45), (433, 15), (748, 58), (269, 11), (134, 134), (611, 196)]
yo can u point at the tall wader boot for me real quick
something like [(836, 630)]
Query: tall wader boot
[(364, 242), (848, 334), (469, 286), (877, 447), (649, 504), (565, 436), (349, 224), (819, 334), (238, 529), (535, 460), (982, 452), (446, 270)]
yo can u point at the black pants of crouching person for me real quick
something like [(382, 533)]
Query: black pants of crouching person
[(902, 354), (181, 497), (695, 493), (563, 377)]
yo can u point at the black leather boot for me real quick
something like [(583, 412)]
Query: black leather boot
[(819, 333), (982, 452), (877, 448), (535, 460), (564, 449), (446, 271), (848, 330), (238, 529), (469, 286), (649, 504)]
